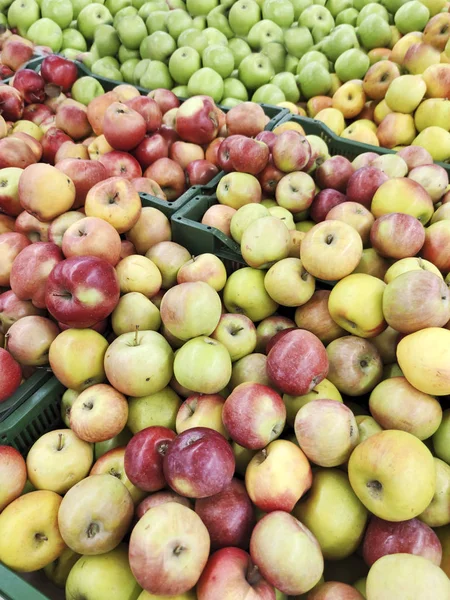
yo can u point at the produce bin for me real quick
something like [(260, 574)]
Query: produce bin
[(27, 389)]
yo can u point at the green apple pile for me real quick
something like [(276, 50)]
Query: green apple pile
[(271, 51)]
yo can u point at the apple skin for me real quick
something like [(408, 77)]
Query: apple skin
[(397, 235), (228, 516), (199, 463), (52, 141), (82, 290), (159, 538), (151, 228), (11, 244), (335, 590), (200, 172), (71, 117), (196, 120), (269, 327), (12, 103), (91, 236), (242, 154), (151, 149), (31, 141), (12, 309), (297, 363), (169, 176), (30, 271), (35, 230), (30, 85), (291, 151), (96, 110), (230, 573), (144, 457), (269, 178), (120, 164), (149, 110), (411, 537), (11, 375), (123, 127), (59, 71), (254, 415), (323, 202), (158, 498), (363, 184), (84, 174), (16, 51), (15, 153), (334, 173), (246, 119), (201, 410), (29, 340), (415, 156), (124, 212), (13, 475)]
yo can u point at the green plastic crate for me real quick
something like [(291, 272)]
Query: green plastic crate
[(13, 587), (27, 389)]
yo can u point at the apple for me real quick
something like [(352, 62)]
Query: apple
[(291, 151), (124, 128), (246, 155), (30, 85), (59, 71), (315, 317), (29, 340), (268, 328), (281, 275), (219, 216), (43, 542), (378, 78), (151, 228), (11, 244), (13, 475), (334, 173), (94, 237), (151, 149), (356, 215), (15, 152), (437, 513), (84, 175), (256, 249), (116, 201), (407, 231), (160, 409), (12, 103), (200, 172), (169, 175), (246, 119), (201, 410), (71, 150), (120, 164), (12, 309), (238, 189), (137, 273), (196, 120), (16, 51), (204, 267), (295, 191), (237, 333), (159, 498), (71, 117), (135, 311), (255, 303), (6, 224), (156, 565)]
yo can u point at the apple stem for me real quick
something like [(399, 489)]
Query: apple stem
[(92, 530), (5, 343), (136, 339), (253, 575), (41, 537), (60, 445)]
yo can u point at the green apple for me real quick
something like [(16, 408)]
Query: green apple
[(4, 20), (45, 32), (89, 58), (59, 11), (115, 5), (298, 40), (106, 40), (348, 16), (86, 89), (157, 46), (268, 94), (198, 8), (193, 39), (103, 67), (291, 64), (91, 17), (177, 22), (288, 85), (218, 18), (220, 59), (181, 91), (281, 12), (299, 7), (352, 64), (157, 21), (359, 4), (313, 56), (132, 31), (140, 69), (159, 409), (372, 9), (441, 439), (121, 439), (276, 53), (22, 14), (227, 3), (243, 15), (255, 70), (150, 8), (240, 50), (337, 6), (69, 53), (78, 5), (138, 3), (412, 16), (316, 18), (314, 80), (128, 11), (206, 82), (341, 39), (183, 63), (375, 32), (125, 54), (71, 38), (127, 69), (393, 5), (157, 76), (214, 36), (233, 88), (199, 23), (264, 32), (230, 102)]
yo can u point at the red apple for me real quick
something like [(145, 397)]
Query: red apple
[(10, 375), (165, 99), (82, 291), (268, 137), (151, 149), (143, 185), (15, 153), (273, 340), (59, 71), (71, 117), (53, 139), (12, 309), (247, 118), (16, 51), (32, 142), (5, 72), (197, 121), (200, 172), (315, 317), (13, 475), (35, 230), (169, 176), (148, 109), (144, 456), (199, 463), (158, 498), (96, 110), (120, 164), (212, 151), (36, 113), (415, 156), (29, 340), (397, 235), (84, 174), (30, 85), (11, 244), (123, 127), (269, 178), (169, 134), (334, 173), (323, 202), (291, 151), (246, 155), (12, 103), (92, 236), (363, 184)]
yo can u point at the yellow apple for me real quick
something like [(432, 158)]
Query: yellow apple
[(158, 409), (350, 98), (333, 119), (58, 570), (411, 263), (30, 128), (381, 110), (392, 165), (405, 93), (436, 140), (288, 283), (367, 426), (393, 474), (437, 79), (396, 129), (419, 57), (365, 123), (289, 125), (401, 47), (137, 273), (403, 195), (360, 133), (325, 390), (433, 112), (386, 344), (372, 263)]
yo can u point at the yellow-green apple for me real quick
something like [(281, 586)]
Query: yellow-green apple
[(312, 425), (372, 263), (58, 460), (123, 127), (151, 227), (432, 112), (437, 80), (405, 93), (315, 316), (295, 191), (393, 474), (71, 117), (243, 154), (331, 250), (441, 214), (116, 201), (102, 573), (416, 300), (339, 531), (334, 173), (350, 98), (392, 165), (169, 549), (95, 514), (408, 409), (169, 257), (245, 293), (137, 273), (35, 230), (358, 132), (254, 415), (13, 475), (397, 235), (269, 327), (250, 368), (112, 463), (201, 410), (440, 444), (11, 244), (286, 553), (391, 197), (410, 264), (135, 311), (367, 426), (361, 317), (94, 237), (12, 309), (288, 283), (219, 216), (325, 390), (169, 175), (228, 516), (30, 538), (84, 175), (403, 575), (231, 573), (283, 214), (58, 570), (265, 476), (386, 344), (291, 151), (81, 291), (332, 118), (198, 463), (355, 365), (120, 164), (355, 215), (437, 513), (31, 269), (297, 362), (237, 333), (76, 358), (29, 340), (98, 147), (335, 590), (160, 409), (204, 267), (139, 364), (144, 458), (396, 129), (378, 79), (120, 440), (182, 304), (61, 224), (158, 498), (433, 178), (419, 57), (436, 140), (238, 189), (363, 184), (9, 196), (100, 399)]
